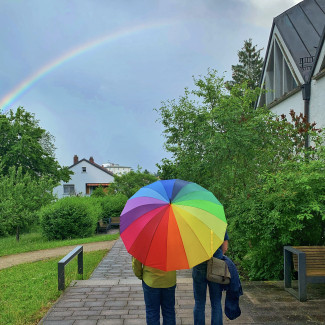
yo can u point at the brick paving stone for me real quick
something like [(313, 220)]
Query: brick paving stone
[(97, 317), (62, 313), (118, 312), (78, 308), (99, 309), (115, 303), (68, 304), (96, 296), (137, 321), (85, 322), (110, 322), (95, 303), (59, 322)]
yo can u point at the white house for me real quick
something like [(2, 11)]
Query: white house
[(294, 66), (87, 176), (117, 169)]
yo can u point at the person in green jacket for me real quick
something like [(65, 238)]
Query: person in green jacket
[(159, 291)]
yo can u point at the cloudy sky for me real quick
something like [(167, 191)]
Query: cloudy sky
[(93, 71)]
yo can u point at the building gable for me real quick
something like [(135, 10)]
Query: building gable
[(319, 67), (301, 28), (280, 74), (292, 50), (91, 163)]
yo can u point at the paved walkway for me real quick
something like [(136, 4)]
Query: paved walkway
[(113, 295)]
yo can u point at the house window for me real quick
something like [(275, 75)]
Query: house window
[(83, 169), (68, 190)]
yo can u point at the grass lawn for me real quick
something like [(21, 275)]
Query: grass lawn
[(35, 241), (27, 291)]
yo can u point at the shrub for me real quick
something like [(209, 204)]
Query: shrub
[(113, 205), (71, 217), (99, 192), (289, 209)]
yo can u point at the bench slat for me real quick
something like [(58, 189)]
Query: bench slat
[(315, 260)]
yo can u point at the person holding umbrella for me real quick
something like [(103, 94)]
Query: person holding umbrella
[(166, 226), (159, 292), (200, 285)]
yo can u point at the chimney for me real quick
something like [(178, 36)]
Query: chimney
[(91, 159), (75, 159)]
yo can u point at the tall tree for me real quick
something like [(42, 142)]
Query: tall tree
[(20, 197), (218, 141), (249, 68), (25, 144)]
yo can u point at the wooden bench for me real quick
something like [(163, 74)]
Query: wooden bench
[(115, 221), (309, 262), (103, 226)]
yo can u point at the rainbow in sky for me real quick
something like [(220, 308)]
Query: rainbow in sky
[(7, 101)]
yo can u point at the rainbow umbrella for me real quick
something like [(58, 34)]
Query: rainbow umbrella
[(172, 225)]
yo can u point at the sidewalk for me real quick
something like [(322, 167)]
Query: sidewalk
[(113, 296)]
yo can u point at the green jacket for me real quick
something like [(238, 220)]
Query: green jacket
[(154, 278)]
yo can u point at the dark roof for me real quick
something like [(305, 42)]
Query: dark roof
[(301, 28), (322, 41), (94, 164)]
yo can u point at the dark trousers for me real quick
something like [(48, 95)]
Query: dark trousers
[(159, 297)]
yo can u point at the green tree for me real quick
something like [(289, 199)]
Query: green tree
[(21, 196), (255, 163), (25, 144), (249, 68), (128, 184), (218, 141)]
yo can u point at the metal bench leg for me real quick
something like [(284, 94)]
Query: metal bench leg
[(302, 279), (61, 276), (287, 268)]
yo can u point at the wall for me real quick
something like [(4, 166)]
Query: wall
[(294, 102), (317, 102)]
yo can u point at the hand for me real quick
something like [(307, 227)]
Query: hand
[(225, 246)]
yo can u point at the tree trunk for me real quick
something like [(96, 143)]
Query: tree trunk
[(17, 233)]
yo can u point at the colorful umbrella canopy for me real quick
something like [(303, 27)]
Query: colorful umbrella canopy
[(172, 225)]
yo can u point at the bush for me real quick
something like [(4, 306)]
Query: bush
[(113, 205), (289, 209), (71, 217), (99, 192)]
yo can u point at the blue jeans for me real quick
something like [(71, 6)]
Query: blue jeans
[(200, 284), (156, 297)]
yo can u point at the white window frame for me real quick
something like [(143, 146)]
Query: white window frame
[(69, 189)]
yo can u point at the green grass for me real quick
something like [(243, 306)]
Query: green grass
[(27, 291), (35, 241)]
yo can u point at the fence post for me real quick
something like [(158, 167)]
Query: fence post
[(81, 263), (61, 276)]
